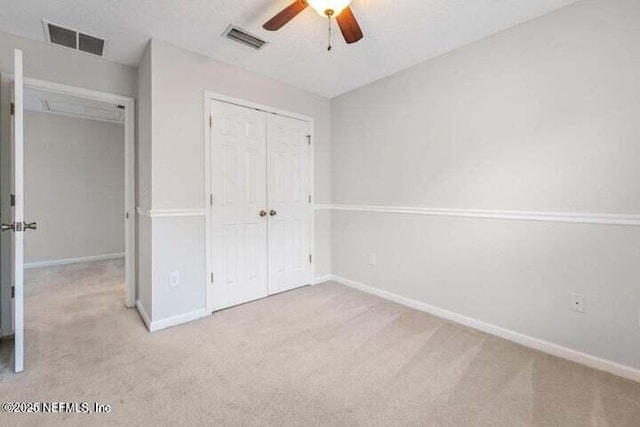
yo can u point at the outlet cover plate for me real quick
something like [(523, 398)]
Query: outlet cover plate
[(578, 302)]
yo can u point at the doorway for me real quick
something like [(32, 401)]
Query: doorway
[(66, 102), (100, 112)]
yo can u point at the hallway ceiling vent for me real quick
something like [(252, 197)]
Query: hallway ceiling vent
[(241, 36), (56, 34)]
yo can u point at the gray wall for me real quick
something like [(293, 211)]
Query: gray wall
[(74, 187), (542, 117), (60, 65), (178, 81)]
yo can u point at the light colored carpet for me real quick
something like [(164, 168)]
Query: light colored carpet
[(321, 355)]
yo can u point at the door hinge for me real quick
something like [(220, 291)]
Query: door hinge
[(210, 121), (309, 139), (309, 198), (13, 292), (13, 200), (310, 258), (211, 199), (211, 277), (13, 109)]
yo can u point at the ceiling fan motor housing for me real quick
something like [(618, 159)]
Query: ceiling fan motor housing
[(329, 8)]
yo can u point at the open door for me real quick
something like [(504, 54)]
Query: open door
[(15, 223)]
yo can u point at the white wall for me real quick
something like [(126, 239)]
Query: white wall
[(178, 81), (542, 117), (74, 187), (143, 181), (60, 65)]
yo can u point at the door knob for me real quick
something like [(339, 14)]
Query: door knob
[(263, 213), (273, 213), (30, 225), (6, 227)]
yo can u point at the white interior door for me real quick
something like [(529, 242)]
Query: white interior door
[(239, 203), (290, 209), (15, 224)]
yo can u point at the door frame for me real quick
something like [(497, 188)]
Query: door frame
[(129, 168), (214, 96)]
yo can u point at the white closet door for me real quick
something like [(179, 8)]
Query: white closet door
[(238, 157), (290, 209)]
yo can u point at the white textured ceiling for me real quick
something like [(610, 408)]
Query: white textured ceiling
[(398, 33)]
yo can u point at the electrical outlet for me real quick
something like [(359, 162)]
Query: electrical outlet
[(372, 259), (174, 279), (578, 303)]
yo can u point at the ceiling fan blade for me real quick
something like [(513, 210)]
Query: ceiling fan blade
[(349, 26), (287, 14)]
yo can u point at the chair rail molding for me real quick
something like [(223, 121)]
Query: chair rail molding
[(631, 220), (169, 213)]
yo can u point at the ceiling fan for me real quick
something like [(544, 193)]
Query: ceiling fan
[(338, 9)]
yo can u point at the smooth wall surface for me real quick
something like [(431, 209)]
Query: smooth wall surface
[(178, 81), (542, 117), (74, 187), (143, 184), (61, 65)]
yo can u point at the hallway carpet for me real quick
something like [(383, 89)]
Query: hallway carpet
[(320, 355)]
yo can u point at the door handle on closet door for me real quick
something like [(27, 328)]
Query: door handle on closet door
[(273, 213), (263, 213)]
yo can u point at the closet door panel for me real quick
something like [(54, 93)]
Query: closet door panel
[(239, 247), (290, 209)]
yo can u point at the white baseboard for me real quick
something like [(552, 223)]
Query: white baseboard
[(322, 279), (170, 321), (525, 340), (67, 261), (143, 314), (177, 320)]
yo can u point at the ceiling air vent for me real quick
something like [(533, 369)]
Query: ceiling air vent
[(241, 36), (67, 37), (90, 44)]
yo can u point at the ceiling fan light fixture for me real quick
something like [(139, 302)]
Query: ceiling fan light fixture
[(338, 9), (329, 8)]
